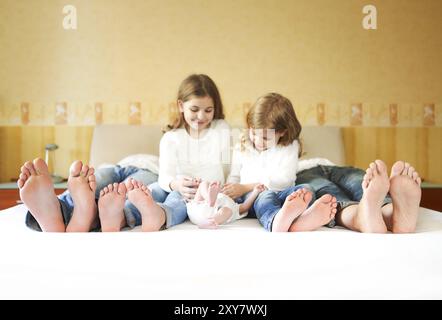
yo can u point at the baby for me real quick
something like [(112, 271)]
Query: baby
[(210, 208)]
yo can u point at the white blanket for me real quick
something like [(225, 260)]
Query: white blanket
[(238, 261)]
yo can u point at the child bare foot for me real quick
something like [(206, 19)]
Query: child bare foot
[(110, 207), (294, 205), (375, 186), (319, 214), (152, 215), (37, 193), (405, 192), (208, 224), (212, 192), (81, 186)]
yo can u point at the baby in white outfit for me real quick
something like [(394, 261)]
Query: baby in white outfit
[(210, 208)]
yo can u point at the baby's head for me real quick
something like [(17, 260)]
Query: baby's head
[(198, 103), (272, 121)]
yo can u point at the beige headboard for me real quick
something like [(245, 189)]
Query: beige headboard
[(111, 143)]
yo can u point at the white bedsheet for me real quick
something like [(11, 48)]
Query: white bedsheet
[(239, 261)]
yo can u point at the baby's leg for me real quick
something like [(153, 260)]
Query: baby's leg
[(201, 192), (221, 216), (208, 191)]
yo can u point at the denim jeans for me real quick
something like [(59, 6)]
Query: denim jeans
[(268, 204), (172, 203), (104, 177), (344, 183)]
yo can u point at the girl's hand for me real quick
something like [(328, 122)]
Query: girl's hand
[(259, 188), (234, 190), (185, 185)]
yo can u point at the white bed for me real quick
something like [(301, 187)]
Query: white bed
[(239, 261)]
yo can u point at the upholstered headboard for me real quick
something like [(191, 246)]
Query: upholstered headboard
[(111, 143)]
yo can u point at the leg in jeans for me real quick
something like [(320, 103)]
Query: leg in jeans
[(158, 194), (174, 208), (351, 180), (269, 203)]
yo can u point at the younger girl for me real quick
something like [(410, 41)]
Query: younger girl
[(268, 154)]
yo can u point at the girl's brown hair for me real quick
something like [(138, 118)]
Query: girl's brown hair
[(197, 85), (274, 111)]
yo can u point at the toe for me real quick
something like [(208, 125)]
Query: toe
[(381, 167), (84, 170), (90, 172), (129, 185), (40, 166), (30, 166), (410, 172), (105, 190), (405, 170), (397, 168), (75, 168), (373, 168), (115, 187), (122, 189)]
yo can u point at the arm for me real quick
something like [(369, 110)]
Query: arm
[(246, 205), (167, 162)]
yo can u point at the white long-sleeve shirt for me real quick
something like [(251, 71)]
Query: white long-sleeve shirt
[(180, 154), (275, 167)]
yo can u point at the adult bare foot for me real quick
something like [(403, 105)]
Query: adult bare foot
[(81, 186), (294, 205), (405, 192), (375, 186), (319, 214), (37, 193), (153, 216), (212, 192), (110, 207)]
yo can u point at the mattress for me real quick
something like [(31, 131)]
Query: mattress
[(238, 261)]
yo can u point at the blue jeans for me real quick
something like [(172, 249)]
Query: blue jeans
[(172, 203), (268, 204), (104, 177), (344, 183)]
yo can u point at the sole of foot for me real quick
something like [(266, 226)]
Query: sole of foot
[(406, 193), (37, 193)]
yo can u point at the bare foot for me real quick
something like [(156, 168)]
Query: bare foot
[(110, 207), (212, 192), (153, 216), (208, 224), (293, 206), (82, 185), (37, 193), (319, 214), (405, 192), (375, 186)]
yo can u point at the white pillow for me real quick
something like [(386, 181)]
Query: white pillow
[(143, 161)]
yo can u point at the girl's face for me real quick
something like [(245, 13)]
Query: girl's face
[(198, 112), (264, 139)]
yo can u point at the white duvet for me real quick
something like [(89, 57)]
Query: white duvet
[(238, 261)]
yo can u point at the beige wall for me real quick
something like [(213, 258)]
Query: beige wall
[(315, 52)]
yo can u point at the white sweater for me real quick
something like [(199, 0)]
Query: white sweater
[(275, 167), (180, 154)]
